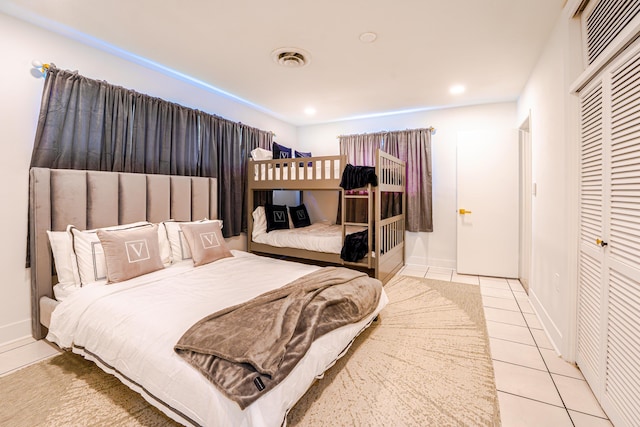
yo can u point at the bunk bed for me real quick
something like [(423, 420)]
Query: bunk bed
[(385, 237)]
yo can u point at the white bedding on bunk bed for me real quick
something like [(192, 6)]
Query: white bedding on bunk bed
[(319, 237), (130, 328)]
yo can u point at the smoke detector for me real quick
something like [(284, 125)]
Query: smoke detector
[(291, 57)]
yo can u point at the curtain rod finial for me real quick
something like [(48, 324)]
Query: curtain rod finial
[(43, 68)]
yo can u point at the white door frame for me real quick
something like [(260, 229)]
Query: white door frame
[(526, 193)]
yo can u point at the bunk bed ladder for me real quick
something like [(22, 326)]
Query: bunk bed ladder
[(369, 260)]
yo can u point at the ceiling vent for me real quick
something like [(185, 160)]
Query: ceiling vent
[(291, 57)]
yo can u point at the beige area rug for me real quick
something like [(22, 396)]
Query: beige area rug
[(67, 390), (425, 362)]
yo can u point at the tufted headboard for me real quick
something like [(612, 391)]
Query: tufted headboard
[(91, 199)]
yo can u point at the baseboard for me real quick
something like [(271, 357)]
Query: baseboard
[(553, 332), (15, 335), (418, 261)]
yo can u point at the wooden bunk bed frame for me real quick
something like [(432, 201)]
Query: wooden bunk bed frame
[(325, 173)]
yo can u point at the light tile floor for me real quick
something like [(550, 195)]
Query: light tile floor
[(24, 354), (535, 386)]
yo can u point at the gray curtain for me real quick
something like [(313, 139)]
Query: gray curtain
[(361, 149), (231, 175), (92, 125), (412, 146)]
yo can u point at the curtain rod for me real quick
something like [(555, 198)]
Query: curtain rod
[(430, 129)]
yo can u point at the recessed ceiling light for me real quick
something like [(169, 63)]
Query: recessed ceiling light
[(456, 89), (310, 111), (368, 37)]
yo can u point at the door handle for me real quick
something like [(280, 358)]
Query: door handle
[(463, 211), (601, 243)]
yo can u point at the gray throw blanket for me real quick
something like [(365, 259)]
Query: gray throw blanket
[(247, 349)]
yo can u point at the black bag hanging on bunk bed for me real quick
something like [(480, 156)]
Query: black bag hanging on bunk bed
[(358, 177), (355, 246)]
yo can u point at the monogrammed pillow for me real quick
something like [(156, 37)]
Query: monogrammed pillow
[(205, 242), (89, 254), (277, 217), (130, 253), (179, 247), (299, 216)]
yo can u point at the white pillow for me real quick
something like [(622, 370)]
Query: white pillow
[(165, 246), (261, 154), (62, 291), (89, 253), (179, 246), (259, 222), (64, 258)]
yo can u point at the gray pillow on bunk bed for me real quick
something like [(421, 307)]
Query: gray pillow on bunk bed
[(299, 216), (277, 217), (303, 154)]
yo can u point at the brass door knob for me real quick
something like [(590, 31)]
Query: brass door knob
[(463, 211), (601, 243)]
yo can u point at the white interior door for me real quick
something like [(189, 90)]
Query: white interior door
[(487, 211)]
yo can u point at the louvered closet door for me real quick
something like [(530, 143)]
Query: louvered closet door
[(591, 293), (609, 293), (622, 385)]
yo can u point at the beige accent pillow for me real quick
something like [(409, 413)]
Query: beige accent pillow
[(179, 247), (205, 242), (130, 253), (89, 254)]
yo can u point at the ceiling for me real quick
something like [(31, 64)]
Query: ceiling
[(423, 47)]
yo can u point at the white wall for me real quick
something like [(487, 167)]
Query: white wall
[(437, 248), (553, 127), (20, 94), (546, 95)]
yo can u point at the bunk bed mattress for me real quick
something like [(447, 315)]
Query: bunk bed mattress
[(129, 329), (318, 237)]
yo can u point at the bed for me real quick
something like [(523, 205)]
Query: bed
[(130, 328), (385, 254), (317, 237)]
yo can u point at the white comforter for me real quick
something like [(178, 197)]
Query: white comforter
[(129, 329), (317, 237)]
